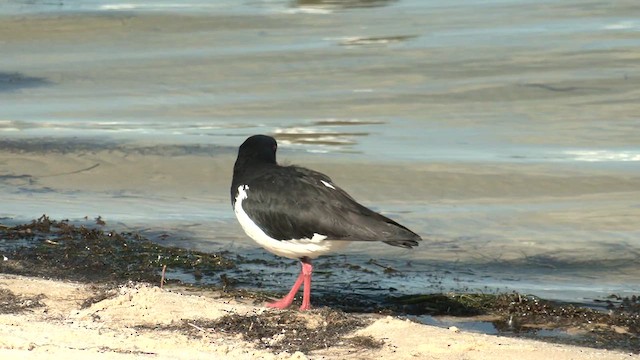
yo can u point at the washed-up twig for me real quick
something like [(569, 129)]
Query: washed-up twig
[(74, 172), (2, 177), (559, 88), (387, 269), (164, 270)]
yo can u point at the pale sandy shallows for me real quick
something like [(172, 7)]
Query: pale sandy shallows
[(107, 330)]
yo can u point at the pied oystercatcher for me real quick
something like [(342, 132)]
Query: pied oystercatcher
[(301, 214)]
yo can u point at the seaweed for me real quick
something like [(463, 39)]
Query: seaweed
[(11, 303), (287, 330), (62, 250)]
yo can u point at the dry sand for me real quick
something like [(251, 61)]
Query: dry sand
[(129, 324)]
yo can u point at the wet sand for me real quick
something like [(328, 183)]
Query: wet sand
[(69, 164)]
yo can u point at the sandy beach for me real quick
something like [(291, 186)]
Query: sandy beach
[(46, 319)]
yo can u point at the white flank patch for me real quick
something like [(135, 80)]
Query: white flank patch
[(294, 248), (327, 184)]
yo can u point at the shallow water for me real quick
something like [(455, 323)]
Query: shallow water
[(505, 132)]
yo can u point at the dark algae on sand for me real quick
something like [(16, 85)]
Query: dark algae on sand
[(513, 314), (287, 330), (59, 249)]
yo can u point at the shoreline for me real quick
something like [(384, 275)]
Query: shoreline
[(73, 320), (103, 284)]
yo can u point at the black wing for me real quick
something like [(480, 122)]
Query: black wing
[(293, 203)]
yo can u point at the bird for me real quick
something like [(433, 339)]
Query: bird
[(298, 213)]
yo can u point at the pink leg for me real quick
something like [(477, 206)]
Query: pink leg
[(307, 269), (305, 276), (287, 300)]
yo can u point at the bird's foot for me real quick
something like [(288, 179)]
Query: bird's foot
[(285, 303), (280, 304)]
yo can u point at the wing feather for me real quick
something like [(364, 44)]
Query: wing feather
[(313, 204)]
